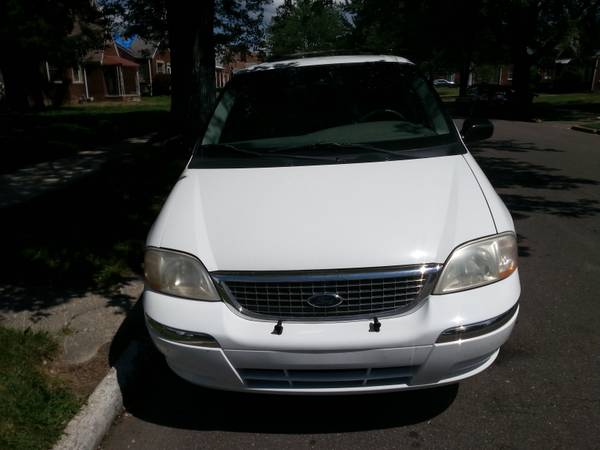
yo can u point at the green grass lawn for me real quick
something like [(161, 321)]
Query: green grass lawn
[(568, 107), (594, 125), (564, 107), (148, 104), (34, 407), (26, 139), (574, 99), (447, 94)]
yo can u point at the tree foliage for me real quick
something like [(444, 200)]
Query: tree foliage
[(456, 35), (238, 25), (436, 34), (307, 26)]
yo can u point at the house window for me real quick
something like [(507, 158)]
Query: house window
[(160, 67), (168, 68), (54, 73), (509, 76), (77, 75)]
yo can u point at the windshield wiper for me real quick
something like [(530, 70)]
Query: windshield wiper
[(343, 146), (245, 151)]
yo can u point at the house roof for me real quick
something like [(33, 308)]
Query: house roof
[(136, 47), (142, 49), (111, 60)]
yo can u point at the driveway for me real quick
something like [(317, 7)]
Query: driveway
[(543, 391)]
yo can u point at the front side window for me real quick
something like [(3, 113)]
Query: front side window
[(344, 112), (77, 74), (54, 73)]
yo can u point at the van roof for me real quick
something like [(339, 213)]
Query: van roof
[(325, 60)]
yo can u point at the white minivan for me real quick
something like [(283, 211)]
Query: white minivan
[(332, 234)]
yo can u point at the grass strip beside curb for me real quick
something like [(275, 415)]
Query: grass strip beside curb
[(34, 407)]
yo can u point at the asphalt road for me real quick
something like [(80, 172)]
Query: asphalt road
[(543, 391)]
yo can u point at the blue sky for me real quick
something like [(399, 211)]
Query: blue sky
[(270, 10)]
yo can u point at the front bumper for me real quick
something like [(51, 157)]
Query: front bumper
[(337, 357)]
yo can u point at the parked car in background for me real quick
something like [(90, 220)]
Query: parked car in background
[(488, 99), (332, 234), (443, 83)]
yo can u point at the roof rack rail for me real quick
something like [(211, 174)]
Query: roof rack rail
[(321, 53)]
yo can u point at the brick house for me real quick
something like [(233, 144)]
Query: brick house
[(102, 75), (227, 66), (154, 62), (124, 70)]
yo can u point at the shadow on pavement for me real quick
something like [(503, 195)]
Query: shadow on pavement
[(509, 173), (87, 238), (524, 248), (132, 329)]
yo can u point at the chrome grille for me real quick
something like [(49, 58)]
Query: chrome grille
[(323, 379), (286, 295)]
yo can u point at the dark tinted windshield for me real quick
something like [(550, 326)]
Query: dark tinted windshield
[(385, 105)]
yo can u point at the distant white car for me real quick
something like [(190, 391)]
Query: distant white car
[(443, 83), (331, 234)]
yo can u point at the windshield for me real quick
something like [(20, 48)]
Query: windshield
[(326, 114)]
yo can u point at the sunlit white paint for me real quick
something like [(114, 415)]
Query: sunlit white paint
[(324, 60)]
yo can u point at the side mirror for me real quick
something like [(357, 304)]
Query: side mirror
[(474, 130)]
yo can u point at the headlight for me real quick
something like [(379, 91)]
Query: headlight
[(178, 274), (479, 263)]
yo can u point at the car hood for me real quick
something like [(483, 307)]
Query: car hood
[(324, 217)]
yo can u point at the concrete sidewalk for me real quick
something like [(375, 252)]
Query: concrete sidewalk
[(82, 323), (30, 182)]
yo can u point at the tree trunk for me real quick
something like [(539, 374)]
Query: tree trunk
[(523, 23), (23, 84), (466, 62), (191, 41), (15, 86), (522, 82)]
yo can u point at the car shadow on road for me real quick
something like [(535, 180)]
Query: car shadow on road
[(161, 397), (508, 174)]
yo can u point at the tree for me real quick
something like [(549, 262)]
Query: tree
[(307, 26), (434, 34), (35, 31), (463, 33), (191, 41), (194, 34)]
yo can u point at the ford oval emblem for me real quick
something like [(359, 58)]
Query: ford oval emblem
[(325, 300)]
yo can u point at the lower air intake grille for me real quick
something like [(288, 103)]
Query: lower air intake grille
[(323, 379), (292, 295)]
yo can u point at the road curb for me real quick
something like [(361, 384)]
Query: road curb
[(585, 129), (87, 429)]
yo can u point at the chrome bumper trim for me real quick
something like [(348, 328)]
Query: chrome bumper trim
[(181, 336), (477, 329)]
